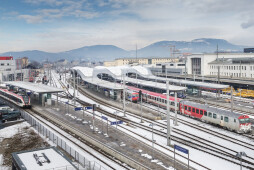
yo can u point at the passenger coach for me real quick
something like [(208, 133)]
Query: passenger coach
[(232, 121)]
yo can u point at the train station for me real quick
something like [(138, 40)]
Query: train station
[(39, 93), (110, 79)]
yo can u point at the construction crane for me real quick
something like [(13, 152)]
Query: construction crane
[(172, 50)]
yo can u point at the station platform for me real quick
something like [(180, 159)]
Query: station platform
[(155, 85), (115, 139), (204, 85), (39, 91)]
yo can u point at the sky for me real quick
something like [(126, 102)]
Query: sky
[(61, 25)]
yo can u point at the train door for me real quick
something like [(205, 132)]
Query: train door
[(221, 120), (193, 112)]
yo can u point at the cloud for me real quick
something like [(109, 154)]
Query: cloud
[(31, 19), (248, 24)]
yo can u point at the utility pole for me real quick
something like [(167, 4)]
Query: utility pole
[(77, 84), (124, 95), (74, 93), (93, 116), (65, 73), (218, 65), (185, 70), (141, 105), (168, 119), (50, 80), (176, 109), (232, 102)]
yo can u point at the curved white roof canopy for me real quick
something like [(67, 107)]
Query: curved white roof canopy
[(118, 71)]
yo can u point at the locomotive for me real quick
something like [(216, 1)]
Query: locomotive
[(20, 99)]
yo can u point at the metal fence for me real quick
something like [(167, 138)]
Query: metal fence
[(83, 163)]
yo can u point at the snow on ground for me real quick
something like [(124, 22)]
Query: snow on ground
[(12, 130)]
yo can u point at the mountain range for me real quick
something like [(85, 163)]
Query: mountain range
[(111, 52)]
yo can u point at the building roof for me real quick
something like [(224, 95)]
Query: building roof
[(245, 60), (118, 71), (35, 87), (41, 159), (103, 83), (154, 84)]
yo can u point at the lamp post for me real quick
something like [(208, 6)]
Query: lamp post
[(239, 155)]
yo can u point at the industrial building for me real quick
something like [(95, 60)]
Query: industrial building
[(138, 61)]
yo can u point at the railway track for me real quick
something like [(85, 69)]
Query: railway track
[(180, 140), (230, 153)]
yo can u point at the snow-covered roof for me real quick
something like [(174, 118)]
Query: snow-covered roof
[(155, 84), (41, 159), (142, 70), (103, 83), (35, 87), (86, 71), (117, 71)]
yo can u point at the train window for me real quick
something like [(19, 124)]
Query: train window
[(201, 112), (185, 107), (226, 119), (210, 114), (172, 103), (193, 110), (197, 111), (189, 108), (214, 116), (221, 118), (234, 120), (162, 100), (205, 113)]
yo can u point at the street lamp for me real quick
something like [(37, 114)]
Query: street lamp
[(239, 155)]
